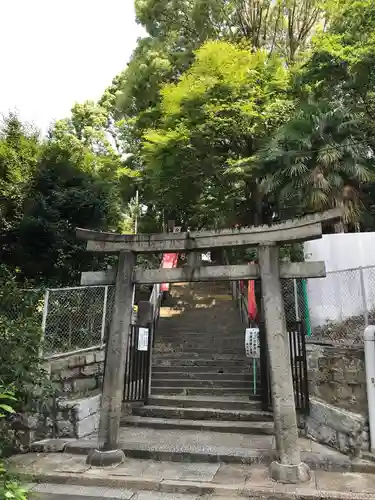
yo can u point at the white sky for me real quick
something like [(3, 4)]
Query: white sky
[(57, 52)]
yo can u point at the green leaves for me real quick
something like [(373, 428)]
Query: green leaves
[(213, 121), (13, 491), (7, 396), (325, 165), (74, 178)]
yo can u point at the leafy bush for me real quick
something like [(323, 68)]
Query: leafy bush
[(10, 487), (21, 342)]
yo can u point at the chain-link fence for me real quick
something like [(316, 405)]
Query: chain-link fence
[(76, 318), (336, 308)]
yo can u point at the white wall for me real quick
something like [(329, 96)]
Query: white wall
[(338, 296)]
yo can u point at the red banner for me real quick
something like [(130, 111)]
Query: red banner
[(251, 301), (169, 261)]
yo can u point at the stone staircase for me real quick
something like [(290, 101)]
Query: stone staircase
[(201, 379)]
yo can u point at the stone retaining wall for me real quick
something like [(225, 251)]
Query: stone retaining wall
[(75, 418), (337, 385), (338, 428), (78, 373), (337, 376), (75, 412), (78, 418), (79, 377)]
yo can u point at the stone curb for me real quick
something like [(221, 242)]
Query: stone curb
[(261, 457), (366, 455), (197, 488)]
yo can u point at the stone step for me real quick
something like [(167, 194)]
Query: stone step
[(190, 333), (238, 371), (201, 391), (127, 489), (196, 337), (195, 370), (199, 350), (138, 479), (202, 413), (211, 346), (195, 322), (165, 363), (161, 382), (215, 447), (194, 333), (192, 356), (202, 343), (236, 427), (202, 375), (221, 403)]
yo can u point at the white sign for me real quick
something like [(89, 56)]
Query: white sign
[(143, 339), (252, 346)]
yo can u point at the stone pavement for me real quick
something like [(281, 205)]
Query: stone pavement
[(65, 475), (209, 447)]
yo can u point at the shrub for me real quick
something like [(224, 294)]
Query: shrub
[(21, 367), (10, 487), (21, 342)]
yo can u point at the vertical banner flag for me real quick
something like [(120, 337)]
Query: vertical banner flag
[(251, 301), (169, 261)]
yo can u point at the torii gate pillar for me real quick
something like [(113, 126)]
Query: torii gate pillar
[(108, 451), (288, 468)]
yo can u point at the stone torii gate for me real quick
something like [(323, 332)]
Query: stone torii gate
[(288, 467)]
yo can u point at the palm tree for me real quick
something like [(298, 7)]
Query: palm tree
[(319, 160)]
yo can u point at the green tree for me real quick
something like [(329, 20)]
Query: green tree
[(50, 187), (341, 70), (88, 124), (176, 30), (318, 161), (19, 155), (70, 188), (199, 161), (284, 26)]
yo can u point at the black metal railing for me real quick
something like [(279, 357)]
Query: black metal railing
[(137, 380), (298, 361), (137, 367), (297, 349)]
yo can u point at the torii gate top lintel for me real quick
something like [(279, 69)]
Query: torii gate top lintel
[(294, 230)]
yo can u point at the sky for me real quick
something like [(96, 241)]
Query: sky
[(58, 52)]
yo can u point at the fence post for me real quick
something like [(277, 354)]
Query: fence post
[(296, 298), (102, 334), (369, 342), (44, 319), (363, 295)]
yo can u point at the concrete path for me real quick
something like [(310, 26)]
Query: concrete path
[(66, 476)]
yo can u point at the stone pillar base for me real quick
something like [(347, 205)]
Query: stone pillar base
[(101, 458), (291, 474)]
